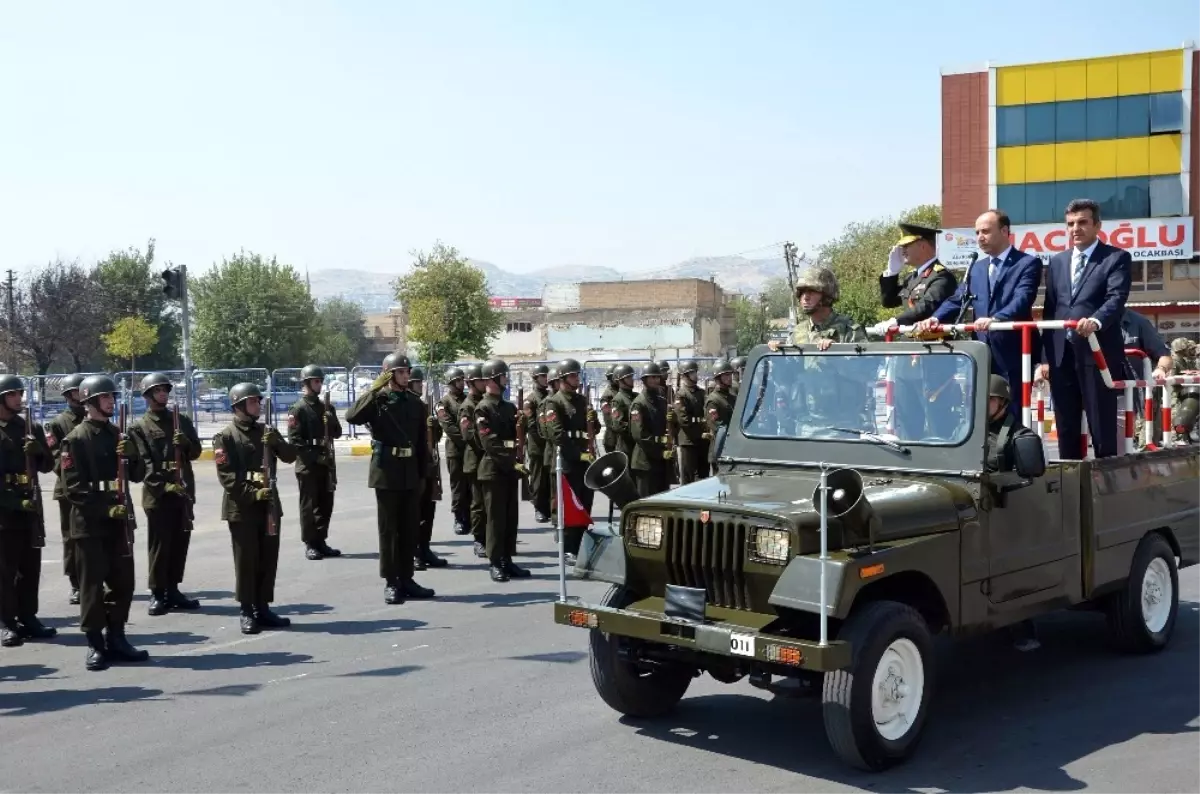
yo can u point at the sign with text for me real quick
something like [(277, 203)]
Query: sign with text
[(515, 303), (1145, 238)]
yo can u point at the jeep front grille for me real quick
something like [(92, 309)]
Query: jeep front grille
[(709, 556)]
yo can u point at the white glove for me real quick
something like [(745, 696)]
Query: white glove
[(895, 262), (881, 328)]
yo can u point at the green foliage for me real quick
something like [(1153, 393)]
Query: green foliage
[(860, 255), (777, 296), (128, 284), (752, 321), (446, 299), (341, 334), (130, 338), (252, 312)]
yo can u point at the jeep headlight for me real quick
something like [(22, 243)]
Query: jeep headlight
[(647, 531), (772, 545)]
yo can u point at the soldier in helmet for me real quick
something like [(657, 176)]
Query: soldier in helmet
[(56, 430), (316, 472), (718, 405), (816, 292), (622, 405), (535, 444), (550, 449), (399, 465), (1003, 427), (466, 426), (460, 483), (739, 367), (606, 398), (568, 415), (1185, 398), (248, 502), (167, 503), (499, 471), (21, 541), (88, 457), (423, 555), (648, 428), (689, 412)]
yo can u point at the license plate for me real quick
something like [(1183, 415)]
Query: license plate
[(741, 644)]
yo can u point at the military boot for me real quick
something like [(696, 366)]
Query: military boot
[(329, 551), (393, 593), (480, 550), (158, 603), (313, 553), (249, 624), (414, 590), (120, 649), (514, 570), (10, 635), (461, 527), (540, 517), (268, 619), (177, 600), (33, 629), (419, 562), (97, 656), (498, 573), (430, 559), (73, 598)]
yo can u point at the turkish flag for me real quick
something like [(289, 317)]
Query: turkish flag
[(570, 508)]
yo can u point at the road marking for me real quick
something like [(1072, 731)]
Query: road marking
[(218, 646), (288, 678)]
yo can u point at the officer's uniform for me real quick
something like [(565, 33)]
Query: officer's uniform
[(550, 448), (648, 429), (606, 398), (689, 412), (22, 533), (399, 465), (168, 506), (535, 446), (622, 405), (460, 483), (309, 419), (567, 415), (423, 555), (718, 407), (499, 475), (56, 430), (471, 456), (247, 504)]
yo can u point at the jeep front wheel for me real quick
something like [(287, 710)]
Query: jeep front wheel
[(625, 686), (875, 710)]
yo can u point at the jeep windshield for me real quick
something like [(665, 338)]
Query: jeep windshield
[(900, 399)]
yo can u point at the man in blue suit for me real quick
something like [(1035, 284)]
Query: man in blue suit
[(1001, 287), (1089, 282)]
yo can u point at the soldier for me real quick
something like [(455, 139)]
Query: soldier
[(499, 471), (399, 464), (1185, 399), (549, 448), (1140, 334), (689, 412), (460, 483), (56, 430), (88, 457), (622, 404), (168, 504), (21, 539), (423, 556), (648, 428), (248, 504), (535, 445), (568, 414), (739, 368), (466, 426), (816, 292), (606, 398), (309, 420), (718, 405)]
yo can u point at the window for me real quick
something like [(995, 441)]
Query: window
[(1010, 126), (1039, 123), (1133, 197), (1064, 192), (1146, 276), (1070, 123), (1041, 203), (1133, 116), (1166, 196), (1166, 112), (1104, 193), (1101, 119), (1012, 200), (519, 327), (1182, 271)]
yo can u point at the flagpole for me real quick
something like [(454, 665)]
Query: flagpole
[(562, 529)]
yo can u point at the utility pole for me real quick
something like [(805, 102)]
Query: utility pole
[(789, 258), (175, 287), (10, 362)]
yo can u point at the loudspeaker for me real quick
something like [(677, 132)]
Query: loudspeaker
[(847, 502), (609, 474)]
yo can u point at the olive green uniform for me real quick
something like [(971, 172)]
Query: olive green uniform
[(622, 405), (21, 537), (691, 441), (316, 470), (549, 453), (539, 473), (495, 422), (471, 457), (648, 428), (1184, 398), (238, 451), (606, 397), (718, 412), (448, 409), (836, 327), (1001, 433), (567, 416), (431, 491), (57, 429)]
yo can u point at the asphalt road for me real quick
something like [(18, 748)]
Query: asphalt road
[(479, 690)]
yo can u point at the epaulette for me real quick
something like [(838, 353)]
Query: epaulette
[(938, 267)]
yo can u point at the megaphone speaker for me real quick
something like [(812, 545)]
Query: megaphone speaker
[(847, 502), (609, 474)]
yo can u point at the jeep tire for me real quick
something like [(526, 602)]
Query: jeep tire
[(1141, 616)]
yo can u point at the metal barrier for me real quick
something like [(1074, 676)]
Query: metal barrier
[(129, 382), (285, 388), (211, 389), (46, 394)]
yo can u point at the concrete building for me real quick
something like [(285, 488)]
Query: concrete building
[(387, 332)]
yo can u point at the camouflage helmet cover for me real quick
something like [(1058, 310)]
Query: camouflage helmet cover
[(819, 279)]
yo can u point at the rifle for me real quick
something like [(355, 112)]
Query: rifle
[(435, 461), (191, 516), (672, 430), (31, 473), (268, 468), (123, 495), (591, 427), (525, 494)]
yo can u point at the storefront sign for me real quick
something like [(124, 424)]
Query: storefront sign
[(515, 303), (1146, 238)]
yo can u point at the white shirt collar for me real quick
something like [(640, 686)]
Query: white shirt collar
[(1087, 252), (1003, 255), (927, 265)]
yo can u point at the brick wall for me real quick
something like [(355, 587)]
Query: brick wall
[(964, 148), (649, 294)]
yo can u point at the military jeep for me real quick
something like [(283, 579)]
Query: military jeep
[(846, 525)]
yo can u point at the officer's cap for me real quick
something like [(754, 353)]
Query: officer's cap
[(911, 232)]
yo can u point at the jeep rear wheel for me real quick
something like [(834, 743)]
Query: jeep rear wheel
[(1141, 617), (624, 685), (875, 710)]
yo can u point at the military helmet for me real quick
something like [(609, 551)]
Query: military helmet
[(691, 365), (395, 361), (453, 374), (998, 387), (1184, 417), (418, 374), (242, 392), (611, 372), (722, 367), (552, 376), (494, 368), (155, 379), (1183, 346), (569, 366), (819, 279), (651, 369), (664, 366), (10, 384), (71, 383), (95, 385), (313, 371), (738, 363), (474, 372), (541, 369), (622, 371)]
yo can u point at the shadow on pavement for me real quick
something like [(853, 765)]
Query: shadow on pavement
[(228, 690), (558, 657), (231, 661), (347, 627), (27, 672), (234, 610), (501, 599), (358, 555), (384, 672), (153, 639), (24, 704)]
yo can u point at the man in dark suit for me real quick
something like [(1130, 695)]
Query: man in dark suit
[(1089, 282), (1000, 287)]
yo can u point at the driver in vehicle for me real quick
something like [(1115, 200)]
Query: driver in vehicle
[(1003, 427)]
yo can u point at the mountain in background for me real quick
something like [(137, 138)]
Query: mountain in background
[(374, 293)]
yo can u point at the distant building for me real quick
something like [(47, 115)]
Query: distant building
[(386, 333)]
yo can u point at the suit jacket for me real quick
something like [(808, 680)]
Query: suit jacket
[(1102, 291), (1010, 299)]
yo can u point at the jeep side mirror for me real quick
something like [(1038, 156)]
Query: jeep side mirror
[(1029, 456)]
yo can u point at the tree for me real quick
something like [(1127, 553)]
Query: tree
[(130, 286), (860, 255), (341, 335), (446, 299), (52, 313), (251, 312), (129, 338), (752, 321), (777, 296)]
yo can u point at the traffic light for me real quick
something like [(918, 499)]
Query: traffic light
[(172, 283)]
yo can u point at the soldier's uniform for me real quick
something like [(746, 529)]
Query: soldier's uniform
[(622, 405), (499, 473), (168, 505), (606, 398), (22, 527), (1185, 398), (399, 465), (309, 419), (689, 413), (648, 428), (247, 504), (1002, 431), (535, 447), (550, 448), (88, 457), (460, 483), (56, 430), (718, 406), (739, 369), (471, 456), (423, 555), (567, 416)]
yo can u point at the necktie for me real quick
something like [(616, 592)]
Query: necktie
[(993, 269), (1078, 271)]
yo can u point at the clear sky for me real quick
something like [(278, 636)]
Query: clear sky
[(527, 133)]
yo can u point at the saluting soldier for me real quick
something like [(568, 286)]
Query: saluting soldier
[(550, 449), (168, 504), (88, 457), (622, 405), (399, 465), (606, 398), (500, 471), (56, 430), (20, 539), (689, 412), (648, 427), (535, 445), (316, 471), (248, 504), (466, 426), (460, 483), (567, 416), (718, 405), (423, 556)]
